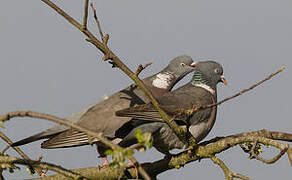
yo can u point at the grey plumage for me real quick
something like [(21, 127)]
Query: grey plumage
[(201, 90), (101, 117)]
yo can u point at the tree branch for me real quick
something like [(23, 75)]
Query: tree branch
[(248, 89), (31, 114), (104, 40), (68, 123), (181, 133), (219, 162), (275, 135), (21, 153), (268, 161), (194, 109), (204, 150), (240, 176), (85, 16), (140, 68), (64, 172)]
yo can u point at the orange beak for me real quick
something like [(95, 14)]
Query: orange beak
[(224, 80)]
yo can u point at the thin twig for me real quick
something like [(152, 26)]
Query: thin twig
[(110, 55), (98, 25), (9, 142), (268, 161), (85, 16), (221, 164), (140, 68), (5, 149), (43, 165), (142, 171), (240, 176), (194, 109), (21, 153), (38, 115), (289, 153), (204, 150), (248, 89), (136, 146)]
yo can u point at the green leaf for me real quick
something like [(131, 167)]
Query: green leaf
[(2, 124), (109, 152), (144, 138)]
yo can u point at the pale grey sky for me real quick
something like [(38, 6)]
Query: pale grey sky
[(47, 66)]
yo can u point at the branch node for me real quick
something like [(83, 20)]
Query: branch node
[(141, 68), (107, 57), (105, 39)]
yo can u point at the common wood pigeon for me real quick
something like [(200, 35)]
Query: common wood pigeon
[(101, 118), (201, 90)]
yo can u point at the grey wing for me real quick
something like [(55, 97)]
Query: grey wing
[(170, 103), (141, 112)]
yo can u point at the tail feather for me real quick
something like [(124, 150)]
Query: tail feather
[(33, 138), (69, 138)]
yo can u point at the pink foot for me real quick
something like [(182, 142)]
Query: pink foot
[(131, 164), (105, 163)]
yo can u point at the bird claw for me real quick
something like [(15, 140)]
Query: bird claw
[(131, 164), (105, 163)]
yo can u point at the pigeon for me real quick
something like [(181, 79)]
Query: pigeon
[(101, 118), (201, 90)]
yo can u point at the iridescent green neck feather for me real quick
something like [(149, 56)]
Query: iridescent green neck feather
[(199, 78)]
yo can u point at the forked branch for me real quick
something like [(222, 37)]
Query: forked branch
[(204, 150), (108, 54)]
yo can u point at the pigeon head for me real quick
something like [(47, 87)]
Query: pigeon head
[(208, 74), (181, 66), (175, 71)]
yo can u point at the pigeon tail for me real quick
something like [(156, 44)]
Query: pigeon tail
[(69, 138)]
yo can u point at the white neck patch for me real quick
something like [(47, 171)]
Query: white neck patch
[(205, 86), (163, 80)]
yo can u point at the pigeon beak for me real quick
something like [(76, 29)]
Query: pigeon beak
[(224, 80), (194, 64)]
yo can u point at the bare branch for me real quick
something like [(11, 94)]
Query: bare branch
[(43, 165), (21, 153), (31, 114), (240, 176), (194, 109), (181, 159), (248, 89), (85, 16), (181, 133), (289, 153), (9, 142), (97, 23), (268, 161), (141, 68), (268, 134), (204, 150), (227, 172)]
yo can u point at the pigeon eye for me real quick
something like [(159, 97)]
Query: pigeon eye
[(182, 64), (217, 71)]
